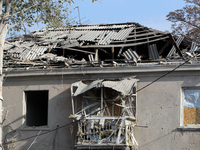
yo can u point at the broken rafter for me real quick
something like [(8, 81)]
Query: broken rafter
[(124, 45), (134, 40), (176, 45), (73, 49), (164, 47), (140, 35)]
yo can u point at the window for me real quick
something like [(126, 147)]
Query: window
[(36, 108), (191, 106)]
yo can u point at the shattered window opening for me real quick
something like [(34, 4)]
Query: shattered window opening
[(36, 108), (108, 112)]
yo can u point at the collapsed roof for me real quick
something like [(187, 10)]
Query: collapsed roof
[(95, 46)]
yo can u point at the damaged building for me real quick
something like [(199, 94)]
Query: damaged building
[(105, 86)]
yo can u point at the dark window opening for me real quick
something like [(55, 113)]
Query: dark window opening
[(36, 108)]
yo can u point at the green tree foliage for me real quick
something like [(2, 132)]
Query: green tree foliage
[(186, 21)]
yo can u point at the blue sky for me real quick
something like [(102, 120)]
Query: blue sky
[(150, 13)]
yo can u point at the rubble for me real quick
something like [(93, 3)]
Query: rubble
[(100, 45), (107, 114)]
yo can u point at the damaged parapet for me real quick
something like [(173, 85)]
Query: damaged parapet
[(105, 111)]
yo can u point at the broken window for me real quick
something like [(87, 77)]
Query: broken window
[(36, 108), (191, 106), (105, 111)]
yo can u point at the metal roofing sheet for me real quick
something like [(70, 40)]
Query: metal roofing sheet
[(7, 46), (153, 52), (131, 55), (108, 38), (35, 51), (76, 34), (173, 50), (122, 34), (96, 27), (16, 50), (124, 86), (193, 48), (90, 36), (85, 87)]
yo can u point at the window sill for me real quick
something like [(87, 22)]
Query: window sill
[(191, 127), (42, 128)]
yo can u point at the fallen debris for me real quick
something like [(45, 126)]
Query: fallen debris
[(98, 45)]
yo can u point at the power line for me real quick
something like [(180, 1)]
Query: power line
[(163, 75), (97, 110)]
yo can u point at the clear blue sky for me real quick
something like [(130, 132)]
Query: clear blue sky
[(150, 13)]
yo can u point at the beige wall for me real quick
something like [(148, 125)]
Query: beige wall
[(158, 107)]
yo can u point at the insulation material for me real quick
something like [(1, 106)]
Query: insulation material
[(191, 115)]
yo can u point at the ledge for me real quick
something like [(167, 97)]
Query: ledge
[(98, 70), (42, 128), (192, 127), (101, 146)]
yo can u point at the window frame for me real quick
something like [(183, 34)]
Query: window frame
[(188, 127)]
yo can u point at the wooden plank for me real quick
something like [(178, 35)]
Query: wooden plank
[(73, 49), (141, 35), (164, 47), (113, 53), (101, 101)]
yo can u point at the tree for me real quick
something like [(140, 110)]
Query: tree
[(14, 13), (186, 21)]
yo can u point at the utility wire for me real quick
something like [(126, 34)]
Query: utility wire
[(163, 75), (97, 110)]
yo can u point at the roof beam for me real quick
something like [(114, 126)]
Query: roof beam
[(176, 45), (140, 35), (73, 49), (124, 45)]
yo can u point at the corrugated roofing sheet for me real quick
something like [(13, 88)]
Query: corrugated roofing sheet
[(124, 86), (153, 52), (108, 38), (90, 36), (76, 34), (173, 50), (131, 55), (122, 34), (96, 27), (33, 53), (86, 87)]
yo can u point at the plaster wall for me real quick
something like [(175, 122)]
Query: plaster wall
[(158, 107)]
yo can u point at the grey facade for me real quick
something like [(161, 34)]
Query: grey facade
[(162, 70)]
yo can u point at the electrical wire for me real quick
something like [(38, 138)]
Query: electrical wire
[(6, 143)]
